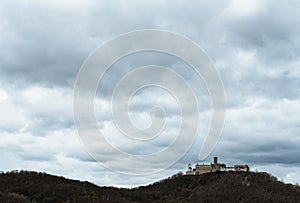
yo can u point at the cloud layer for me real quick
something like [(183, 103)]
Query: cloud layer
[(253, 44)]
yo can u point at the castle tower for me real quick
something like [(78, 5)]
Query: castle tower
[(190, 167), (215, 161)]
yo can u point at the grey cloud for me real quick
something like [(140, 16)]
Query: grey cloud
[(273, 32), (41, 125), (47, 49), (36, 157), (39, 47)]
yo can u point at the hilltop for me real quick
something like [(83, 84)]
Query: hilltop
[(29, 187)]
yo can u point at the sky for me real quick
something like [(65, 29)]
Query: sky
[(254, 45)]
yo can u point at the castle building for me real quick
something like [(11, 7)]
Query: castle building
[(213, 167)]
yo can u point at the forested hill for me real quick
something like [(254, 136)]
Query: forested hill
[(214, 187)]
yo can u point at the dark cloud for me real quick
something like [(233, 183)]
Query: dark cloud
[(41, 44), (273, 32), (261, 151)]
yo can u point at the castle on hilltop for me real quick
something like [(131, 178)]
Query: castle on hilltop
[(213, 167)]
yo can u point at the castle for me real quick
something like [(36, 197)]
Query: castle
[(213, 167)]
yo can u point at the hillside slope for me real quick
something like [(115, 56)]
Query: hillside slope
[(215, 187)]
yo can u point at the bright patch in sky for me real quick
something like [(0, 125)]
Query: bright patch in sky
[(3, 95), (245, 7)]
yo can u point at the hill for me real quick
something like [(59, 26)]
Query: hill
[(29, 187)]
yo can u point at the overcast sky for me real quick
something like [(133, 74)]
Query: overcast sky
[(254, 45)]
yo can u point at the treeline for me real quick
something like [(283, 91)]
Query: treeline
[(28, 187)]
